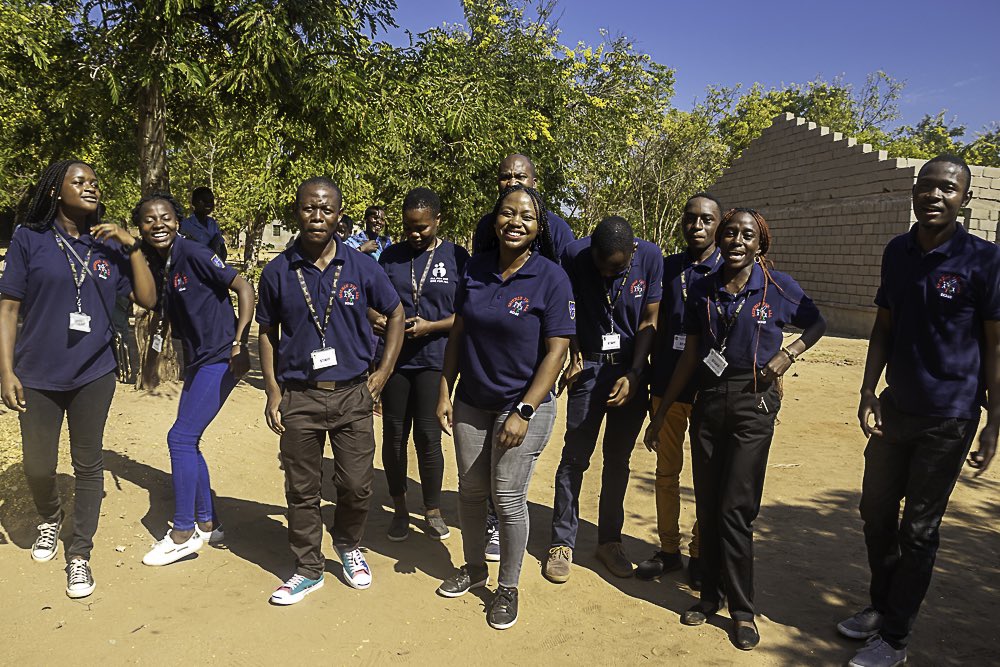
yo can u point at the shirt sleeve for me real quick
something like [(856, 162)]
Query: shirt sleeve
[(655, 276), (352, 242), (880, 299), (461, 259), (126, 279), (209, 268), (804, 311), (14, 282), (267, 298), (559, 318), (381, 296), (693, 311)]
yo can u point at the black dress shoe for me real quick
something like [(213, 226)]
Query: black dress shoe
[(660, 563), (694, 574), (698, 614), (746, 635)]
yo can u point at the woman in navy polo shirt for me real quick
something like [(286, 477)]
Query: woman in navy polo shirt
[(64, 270), (194, 286), (425, 271), (514, 314), (734, 321)]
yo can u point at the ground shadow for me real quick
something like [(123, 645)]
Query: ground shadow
[(18, 517)]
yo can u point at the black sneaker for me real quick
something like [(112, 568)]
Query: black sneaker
[(503, 609), (492, 539), (694, 573), (437, 529), (461, 583), (660, 563), (79, 579), (399, 528)]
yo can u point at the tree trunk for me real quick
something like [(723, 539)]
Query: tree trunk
[(153, 367), (255, 234), (152, 139)]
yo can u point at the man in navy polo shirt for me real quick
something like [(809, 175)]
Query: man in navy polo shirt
[(937, 335), (315, 350), (617, 282), (200, 226), (517, 168), (702, 213)]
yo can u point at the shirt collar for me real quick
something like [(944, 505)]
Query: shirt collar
[(754, 283), (950, 247), (530, 267), (706, 267), (297, 258)]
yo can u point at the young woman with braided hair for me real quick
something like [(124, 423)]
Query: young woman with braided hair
[(194, 285), (734, 321), (514, 315), (64, 270)]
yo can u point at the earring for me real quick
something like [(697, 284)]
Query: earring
[(756, 258)]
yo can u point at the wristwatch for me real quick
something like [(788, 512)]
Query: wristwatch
[(128, 250), (525, 411)]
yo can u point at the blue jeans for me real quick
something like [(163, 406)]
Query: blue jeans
[(486, 471), (585, 410), (205, 391)]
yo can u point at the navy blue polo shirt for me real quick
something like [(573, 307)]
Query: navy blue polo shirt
[(506, 324), (207, 234), (641, 284), (938, 303), (198, 304), (281, 303), (680, 274), (562, 233), (48, 355), (437, 297), (755, 334)]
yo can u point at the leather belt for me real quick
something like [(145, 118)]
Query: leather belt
[(327, 385), (608, 357)]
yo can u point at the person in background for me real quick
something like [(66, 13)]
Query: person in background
[(371, 241), (64, 269), (200, 226)]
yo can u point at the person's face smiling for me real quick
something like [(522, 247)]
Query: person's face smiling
[(517, 221), (375, 221), (739, 241), (158, 224)]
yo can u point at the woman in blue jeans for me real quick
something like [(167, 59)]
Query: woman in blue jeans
[(514, 314), (194, 286)]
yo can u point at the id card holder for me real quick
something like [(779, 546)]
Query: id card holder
[(157, 343), (79, 322), (680, 340), (716, 362), (611, 341), (324, 358)]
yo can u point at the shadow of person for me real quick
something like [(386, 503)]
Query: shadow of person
[(254, 378), (18, 516), (252, 532)]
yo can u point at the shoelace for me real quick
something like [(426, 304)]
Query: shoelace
[(356, 561), (561, 552), (504, 600), (294, 581), (79, 572), (48, 534)]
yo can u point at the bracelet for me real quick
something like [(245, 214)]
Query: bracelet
[(128, 250), (791, 357)]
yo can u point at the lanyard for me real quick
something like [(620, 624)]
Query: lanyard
[(320, 325), (727, 322), (418, 289), (611, 303), (78, 276), (684, 272), (162, 325)]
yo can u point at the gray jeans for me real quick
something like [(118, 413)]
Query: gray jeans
[(485, 470)]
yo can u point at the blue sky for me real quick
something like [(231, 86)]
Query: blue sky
[(947, 52)]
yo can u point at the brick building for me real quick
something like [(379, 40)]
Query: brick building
[(832, 205)]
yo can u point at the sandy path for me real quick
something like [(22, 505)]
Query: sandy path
[(810, 560)]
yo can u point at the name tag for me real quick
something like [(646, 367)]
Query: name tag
[(79, 322), (324, 358), (157, 343), (716, 362), (611, 341), (680, 340)]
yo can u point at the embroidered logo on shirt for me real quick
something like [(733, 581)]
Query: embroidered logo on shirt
[(349, 293), (218, 262), (180, 282), (518, 306), (101, 268), (949, 285), (439, 274), (762, 312), (572, 310), (637, 288)]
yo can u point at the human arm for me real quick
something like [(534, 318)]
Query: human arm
[(10, 386), (983, 456), (239, 359), (626, 386), (143, 285), (875, 361), (267, 343), (684, 371), (575, 367), (393, 343), (514, 427), (783, 359), (418, 327), (449, 372)]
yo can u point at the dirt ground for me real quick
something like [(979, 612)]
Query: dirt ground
[(810, 559)]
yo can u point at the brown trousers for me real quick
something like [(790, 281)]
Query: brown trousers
[(308, 416), (669, 462)]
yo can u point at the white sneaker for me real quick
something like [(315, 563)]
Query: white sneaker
[(357, 574), (166, 551), (44, 548), (79, 579), (215, 537)]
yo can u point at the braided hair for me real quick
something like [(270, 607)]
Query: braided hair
[(543, 241), (40, 205)]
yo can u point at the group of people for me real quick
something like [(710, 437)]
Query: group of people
[(694, 340)]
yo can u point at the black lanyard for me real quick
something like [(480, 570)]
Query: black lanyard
[(162, 325), (418, 289), (78, 276), (684, 272), (726, 324), (611, 303), (320, 325)]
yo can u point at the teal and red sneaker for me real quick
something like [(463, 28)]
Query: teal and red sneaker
[(295, 589), (357, 574)]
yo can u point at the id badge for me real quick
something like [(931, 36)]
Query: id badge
[(157, 343), (79, 322), (324, 358), (611, 341), (680, 340), (716, 362)]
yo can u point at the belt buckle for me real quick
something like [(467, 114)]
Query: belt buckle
[(326, 386)]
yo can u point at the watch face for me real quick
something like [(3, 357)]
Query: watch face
[(526, 411)]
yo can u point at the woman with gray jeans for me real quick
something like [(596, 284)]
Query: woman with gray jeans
[(514, 314)]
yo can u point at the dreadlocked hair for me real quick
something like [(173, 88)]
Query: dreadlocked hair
[(40, 204), (543, 241)]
